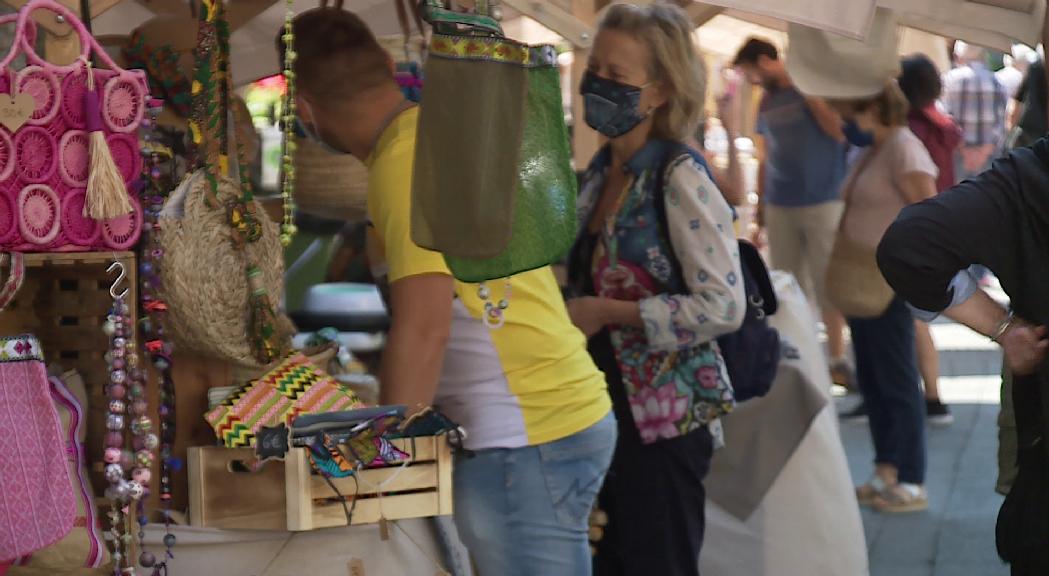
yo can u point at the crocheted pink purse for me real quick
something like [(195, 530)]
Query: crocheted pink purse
[(45, 163)]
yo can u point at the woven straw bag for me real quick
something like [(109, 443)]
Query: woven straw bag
[(329, 185), (855, 285), (223, 273), (203, 273)]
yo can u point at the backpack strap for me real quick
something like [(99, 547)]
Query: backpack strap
[(674, 151), (750, 258)]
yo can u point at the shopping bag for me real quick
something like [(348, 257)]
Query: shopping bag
[(45, 142), (493, 187)]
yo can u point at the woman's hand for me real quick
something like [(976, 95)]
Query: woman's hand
[(1025, 347), (727, 114), (589, 314)]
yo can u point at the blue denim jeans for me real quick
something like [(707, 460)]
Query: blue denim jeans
[(887, 372), (525, 511)]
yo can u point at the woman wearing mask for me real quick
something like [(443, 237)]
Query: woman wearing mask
[(657, 265), (893, 172)]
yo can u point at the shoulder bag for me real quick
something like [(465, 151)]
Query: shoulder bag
[(855, 285)]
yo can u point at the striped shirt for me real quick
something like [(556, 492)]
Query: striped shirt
[(977, 101)]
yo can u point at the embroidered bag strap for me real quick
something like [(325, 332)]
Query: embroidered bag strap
[(14, 280), (448, 21)]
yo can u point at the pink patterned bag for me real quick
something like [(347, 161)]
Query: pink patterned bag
[(37, 505), (44, 163)]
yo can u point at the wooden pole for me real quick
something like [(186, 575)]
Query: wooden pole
[(1045, 43), (585, 141)]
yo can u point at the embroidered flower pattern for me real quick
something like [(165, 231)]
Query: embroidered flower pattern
[(656, 412), (670, 393)]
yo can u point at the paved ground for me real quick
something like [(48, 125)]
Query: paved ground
[(956, 536)]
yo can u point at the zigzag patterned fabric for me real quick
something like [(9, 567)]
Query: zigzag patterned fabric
[(294, 387)]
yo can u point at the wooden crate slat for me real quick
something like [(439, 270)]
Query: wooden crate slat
[(426, 447), (370, 511), (444, 479), (302, 501), (73, 338), (243, 500), (64, 258), (85, 302), (298, 491), (414, 477)]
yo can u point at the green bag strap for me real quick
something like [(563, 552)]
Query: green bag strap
[(449, 21), (211, 128), (210, 121)]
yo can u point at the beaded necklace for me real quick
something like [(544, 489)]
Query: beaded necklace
[(288, 228), (157, 183), (127, 401)]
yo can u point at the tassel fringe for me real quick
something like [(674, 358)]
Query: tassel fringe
[(106, 192)]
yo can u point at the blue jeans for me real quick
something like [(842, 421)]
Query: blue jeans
[(887, 372), (525, 511)]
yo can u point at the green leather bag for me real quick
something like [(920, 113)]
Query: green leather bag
[(493, 189)]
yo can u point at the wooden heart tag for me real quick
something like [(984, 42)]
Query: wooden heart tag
[(16, 110)]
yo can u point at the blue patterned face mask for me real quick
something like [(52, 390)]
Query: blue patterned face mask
[(857, 136), (611, 107)]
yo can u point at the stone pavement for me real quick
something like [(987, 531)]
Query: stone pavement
[(955, 537)]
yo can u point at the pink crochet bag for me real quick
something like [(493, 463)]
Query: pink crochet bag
[(45, 162), (37, 505)]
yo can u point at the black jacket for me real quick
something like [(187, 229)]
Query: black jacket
[(999, 219)]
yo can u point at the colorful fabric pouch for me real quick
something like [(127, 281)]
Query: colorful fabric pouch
[(83, 547), (294, 387), (37, 506)]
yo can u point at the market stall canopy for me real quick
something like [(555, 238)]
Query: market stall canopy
[(255, 24), (992, 23)]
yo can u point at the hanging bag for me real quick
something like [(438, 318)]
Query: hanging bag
[(493, 188), (855, 285), (37, 506), (223, 270), (48, 135)]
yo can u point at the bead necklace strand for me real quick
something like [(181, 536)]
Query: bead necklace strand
[(157, 183)]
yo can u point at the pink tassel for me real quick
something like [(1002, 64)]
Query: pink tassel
[(106, 192)]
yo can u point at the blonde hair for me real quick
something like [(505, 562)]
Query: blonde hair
[(667, 31), (891, 103)]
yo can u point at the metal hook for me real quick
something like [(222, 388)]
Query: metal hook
[(120, 278)]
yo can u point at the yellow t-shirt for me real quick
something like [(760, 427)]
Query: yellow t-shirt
[(531, 381)]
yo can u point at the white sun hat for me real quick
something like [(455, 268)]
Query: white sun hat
[(828, 65)]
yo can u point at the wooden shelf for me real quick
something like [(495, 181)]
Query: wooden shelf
[(77, 258)]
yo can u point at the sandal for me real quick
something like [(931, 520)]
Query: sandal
[(869, 492), (842, 375), (902, 498)]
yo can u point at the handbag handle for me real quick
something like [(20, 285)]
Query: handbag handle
[(88, 44), (16, 46), (14, 281), (449, 21)]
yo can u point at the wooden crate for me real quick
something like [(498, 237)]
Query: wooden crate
[(224, 493), (64, 301)]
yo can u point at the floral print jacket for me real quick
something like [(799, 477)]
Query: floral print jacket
[(673, 372)]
